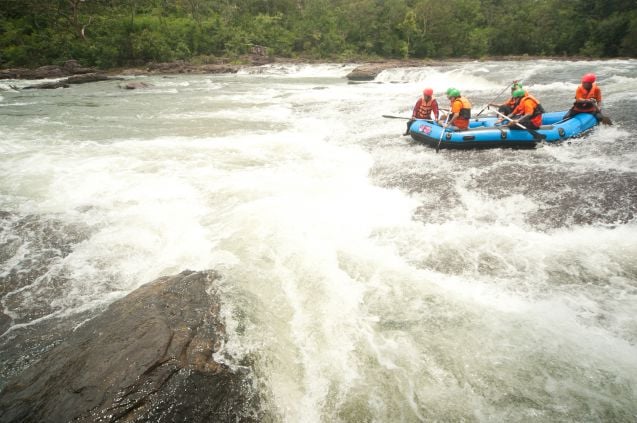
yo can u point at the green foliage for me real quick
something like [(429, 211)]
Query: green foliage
[(628, 45), (109, 33)]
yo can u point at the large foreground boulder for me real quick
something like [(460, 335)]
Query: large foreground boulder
[(147, 358)]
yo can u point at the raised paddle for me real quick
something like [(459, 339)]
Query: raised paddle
[(496, 97), (533, 132)]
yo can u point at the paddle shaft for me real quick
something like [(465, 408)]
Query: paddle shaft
[(533, 132), (408, 118), (496, 97), (396, 117), (442, 134)]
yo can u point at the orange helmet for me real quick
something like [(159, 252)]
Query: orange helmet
[(428, 92), (589, 77)]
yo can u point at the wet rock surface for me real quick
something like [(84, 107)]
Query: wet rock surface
[(148, 357), (75, 79), (369, 71)]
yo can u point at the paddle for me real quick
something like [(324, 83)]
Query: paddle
[(533, 132), (442, 133), (602, 118), (396, 117), (408, 118), (496, 97)]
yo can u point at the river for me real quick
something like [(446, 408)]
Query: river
[(364, 276)]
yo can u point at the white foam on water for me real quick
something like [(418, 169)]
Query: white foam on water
[(299, 70), (350, 309), (439, 78), (587, 153), (265, 112), (568, 87), (169, 83)]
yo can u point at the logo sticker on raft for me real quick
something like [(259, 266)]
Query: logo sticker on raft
[(425, 129)]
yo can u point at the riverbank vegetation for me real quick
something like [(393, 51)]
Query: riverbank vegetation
[(112, 33)]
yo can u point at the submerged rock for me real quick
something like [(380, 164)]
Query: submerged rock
[(136, 85), (148, 357)]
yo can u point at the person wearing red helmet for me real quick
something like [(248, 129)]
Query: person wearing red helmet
[(588, 99), (426, 108)]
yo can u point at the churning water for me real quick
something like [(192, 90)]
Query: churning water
[(365, 277)]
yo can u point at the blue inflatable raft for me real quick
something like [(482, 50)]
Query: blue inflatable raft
[(484, 133)]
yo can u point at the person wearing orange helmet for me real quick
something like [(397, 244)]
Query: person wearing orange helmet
[(426, 108), (588, 99)]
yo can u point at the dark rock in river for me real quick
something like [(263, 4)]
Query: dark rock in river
[(88, 77), (147, 358), (136, 85), (180, 66), (369, 71), (72, 67), (75, 79), (364, 73), (48, 85)]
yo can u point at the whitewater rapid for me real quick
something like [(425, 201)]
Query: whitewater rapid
[(364, 277)]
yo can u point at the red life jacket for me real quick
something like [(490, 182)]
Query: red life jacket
[(425, 108)]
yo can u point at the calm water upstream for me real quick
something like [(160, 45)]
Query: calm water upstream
[(365, 277)]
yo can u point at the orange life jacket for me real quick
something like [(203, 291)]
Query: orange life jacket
[(462, 121), (594, 92), (536, 116), (425, 108), (511, 102), (587, 106)]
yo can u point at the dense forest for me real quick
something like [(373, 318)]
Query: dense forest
[(111, 33)]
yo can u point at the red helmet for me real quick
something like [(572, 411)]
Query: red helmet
[(428, 92), (589, 77)]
